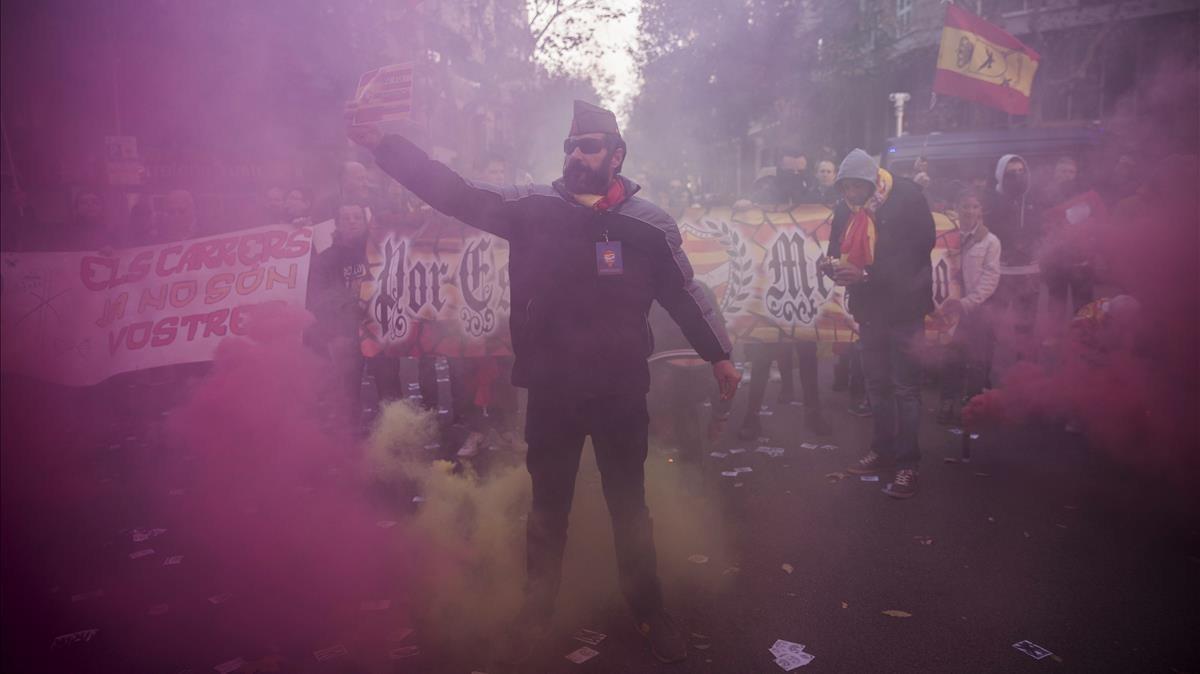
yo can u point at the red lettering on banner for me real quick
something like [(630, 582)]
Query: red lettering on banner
[(299, 243), (191, 322), (115, 339), (160, 268), (90, 264), (154, 301), (218, 287), (114, 309), (253, 249), (216, 255), (274, 277), (238, 318), (193, 257), (275, 241), (134, 340), (229, 248), (139, 266), (214, 323), (183, 292), (165, 331), (255, 276)]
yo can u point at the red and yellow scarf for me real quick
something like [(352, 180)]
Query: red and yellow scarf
[(858, 242)]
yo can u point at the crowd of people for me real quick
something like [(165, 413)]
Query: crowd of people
[(1003, 220), (579, 342)]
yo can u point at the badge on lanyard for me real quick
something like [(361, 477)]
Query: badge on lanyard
[(608, 258)]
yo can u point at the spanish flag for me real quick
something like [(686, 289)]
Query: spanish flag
[(980, 62)]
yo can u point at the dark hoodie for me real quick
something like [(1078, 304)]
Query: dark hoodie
[(899, 286), (1011, 218), (572, 330), (334, 279)]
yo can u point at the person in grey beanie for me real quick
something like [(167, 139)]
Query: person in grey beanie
[(879, 246)]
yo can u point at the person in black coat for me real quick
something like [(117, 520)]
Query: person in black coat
[(587, 256), (879, 249)]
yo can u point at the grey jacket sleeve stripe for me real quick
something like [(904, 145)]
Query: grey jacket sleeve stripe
[(685, 300)]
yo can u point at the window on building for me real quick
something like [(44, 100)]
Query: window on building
[(904, 9)]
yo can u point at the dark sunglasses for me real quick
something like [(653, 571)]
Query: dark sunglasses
[(585, 145)]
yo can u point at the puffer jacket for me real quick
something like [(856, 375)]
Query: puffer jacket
[(573, 330)]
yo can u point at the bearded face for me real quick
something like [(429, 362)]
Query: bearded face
[(587, 164)]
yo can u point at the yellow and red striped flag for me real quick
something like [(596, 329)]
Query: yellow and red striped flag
[(980, 62)]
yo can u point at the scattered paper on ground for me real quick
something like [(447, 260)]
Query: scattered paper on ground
[(895, 613), (82, 636), (404, 652), (698, 559), (793, 661), (230, 666), (582, 655), (783, 647), (789, 655), (590, 637), (788, 568), (331, 653), (1031, 649)]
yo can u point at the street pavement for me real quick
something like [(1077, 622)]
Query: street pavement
[(1037, 538)]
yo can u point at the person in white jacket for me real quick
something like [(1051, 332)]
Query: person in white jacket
[(969, 362)]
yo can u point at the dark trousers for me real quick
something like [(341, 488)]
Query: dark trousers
[(806, 363), (385, 370), (848, 371), (762, 355), (555, 428), (968, 365), (1079, 280), (893, 384)]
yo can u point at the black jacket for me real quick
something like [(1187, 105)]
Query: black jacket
[(899, 286), (1016, 224), (572, 330), (334, 279)]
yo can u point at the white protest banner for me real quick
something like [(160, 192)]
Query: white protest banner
[(77, 318)]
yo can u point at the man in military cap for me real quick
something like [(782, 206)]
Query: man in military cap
[(586, 259)]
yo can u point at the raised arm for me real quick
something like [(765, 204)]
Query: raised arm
[(483, 207)]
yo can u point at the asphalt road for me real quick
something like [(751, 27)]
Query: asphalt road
[(1037, 538)]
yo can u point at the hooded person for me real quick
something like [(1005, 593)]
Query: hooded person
[(880, 242), (587, 257), (1010, 214), (335, 283)]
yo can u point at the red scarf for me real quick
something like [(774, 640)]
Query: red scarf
[(858, 241), (614, 198)]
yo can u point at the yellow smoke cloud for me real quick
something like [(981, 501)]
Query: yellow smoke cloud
[(473, 529)]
